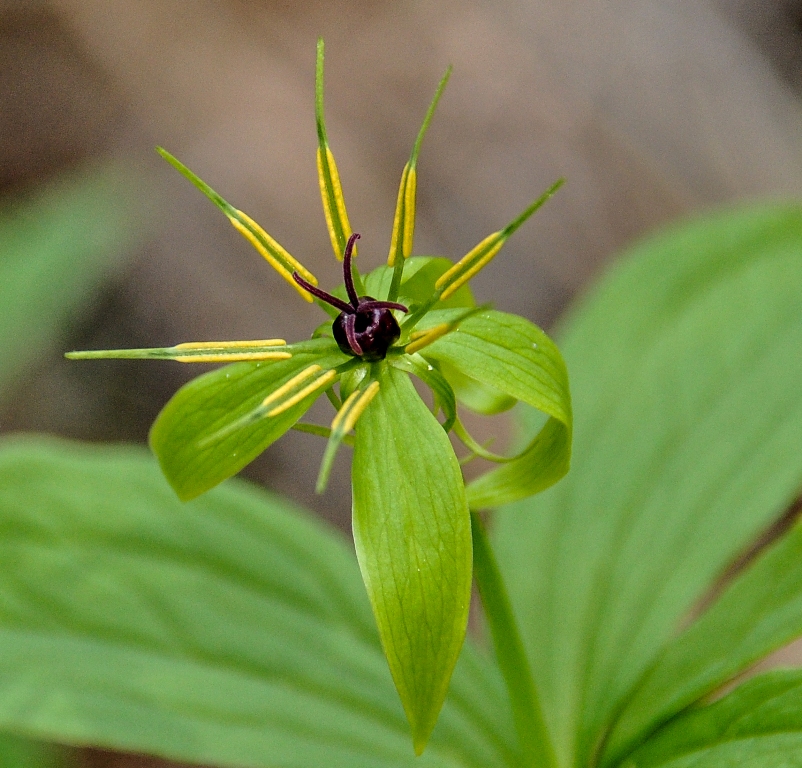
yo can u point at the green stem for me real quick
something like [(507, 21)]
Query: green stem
[(536, 747)]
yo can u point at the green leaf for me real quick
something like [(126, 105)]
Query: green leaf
[(57, 248), (441, 389), (413, 540), (475, 395), (232, 630), (17, 752), (513, 356), (758, 613), (759, 724), (203, 435), (685, 367)]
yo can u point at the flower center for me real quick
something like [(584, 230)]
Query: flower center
[(365, 327)]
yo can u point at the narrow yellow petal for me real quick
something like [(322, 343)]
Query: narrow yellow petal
[(291, 384), (319, 383), (359, 407)]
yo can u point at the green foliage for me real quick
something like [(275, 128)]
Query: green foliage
[(685, 366), (16, 752), (758, 613), (233, 630), (230, 630), (57, 248), (759, 725), (205, 435)]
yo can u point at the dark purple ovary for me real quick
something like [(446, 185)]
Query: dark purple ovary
[(374, 331), (365, 327)]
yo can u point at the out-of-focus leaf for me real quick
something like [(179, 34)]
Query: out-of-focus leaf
[(412, 533), (230, 630), (55, 250), (513, 356), (759, 725), (16, 752), (203, 434), (685, 368), (760, 612)]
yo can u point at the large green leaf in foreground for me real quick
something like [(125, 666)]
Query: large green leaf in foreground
[(55, 249), (230, 630), (685, 367)]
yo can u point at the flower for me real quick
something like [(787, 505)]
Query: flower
[(414, 315)]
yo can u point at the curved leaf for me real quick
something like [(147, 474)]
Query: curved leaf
[(757, 614), (759, 725), (230, 630), (412, 533), (200, 437), (513, 356), (685, 367)]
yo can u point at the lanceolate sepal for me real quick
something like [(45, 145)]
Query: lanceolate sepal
[(412, 532)]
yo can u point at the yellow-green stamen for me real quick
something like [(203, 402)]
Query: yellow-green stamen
[(421, 339), (196, 352), (275, 254), (331, 191), (292, 384), (482, 254)]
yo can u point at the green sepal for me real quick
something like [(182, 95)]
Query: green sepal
[(478, 397), (183, 435), (513, 356), (443, 394), (412, 533)]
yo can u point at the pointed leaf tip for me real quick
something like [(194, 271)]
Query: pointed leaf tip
[(412, 534)]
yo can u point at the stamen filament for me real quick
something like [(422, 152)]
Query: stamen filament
[(343, 422), (469, 265), (272, 252), (402, 240), (481, 255)]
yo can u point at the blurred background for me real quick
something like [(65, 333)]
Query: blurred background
[(652, 110)]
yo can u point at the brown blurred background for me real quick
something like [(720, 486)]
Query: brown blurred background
[(652, 109)]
